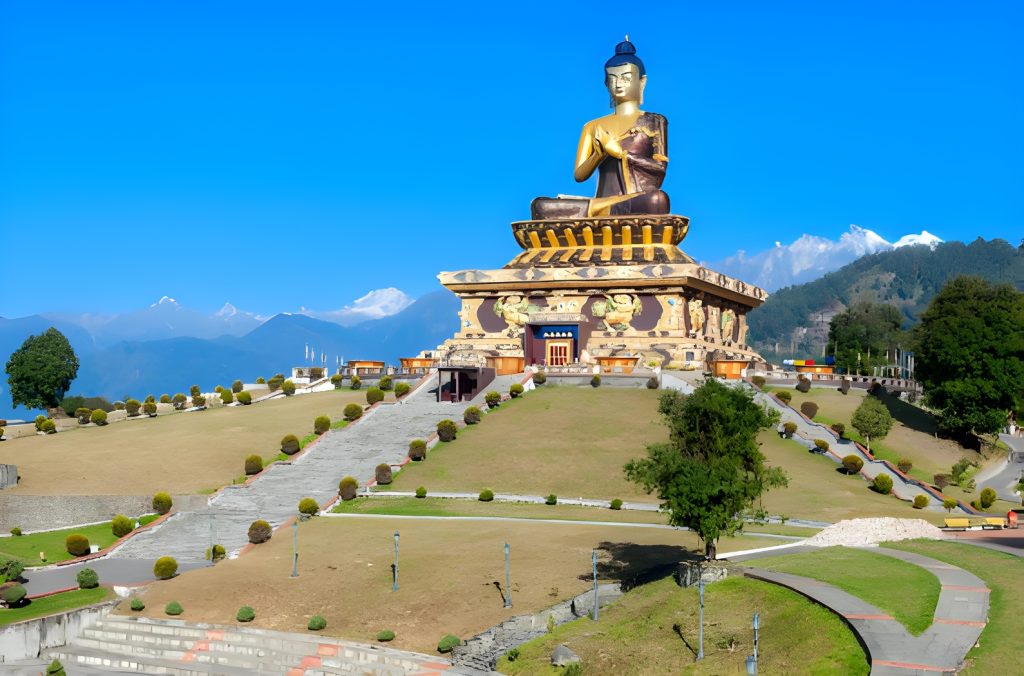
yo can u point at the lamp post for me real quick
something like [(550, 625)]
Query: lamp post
[(508, 584), (752, 660), (295, 548), (597, 604), (700, 590), (394, 567)]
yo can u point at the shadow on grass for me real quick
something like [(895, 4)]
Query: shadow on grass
[(908, 414), (632, 565)]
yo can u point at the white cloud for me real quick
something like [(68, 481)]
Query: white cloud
[(374, 305)]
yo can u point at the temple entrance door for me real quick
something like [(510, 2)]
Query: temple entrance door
[(558, 352)]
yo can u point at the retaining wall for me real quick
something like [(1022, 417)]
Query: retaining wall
[(25, 640)]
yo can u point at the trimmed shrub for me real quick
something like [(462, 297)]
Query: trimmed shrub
[(596, 380), (356, 383), (237, 386), (402, 389), (382, 474), (882, 483), (165, 398), (40, 419), (615, 504), (226, 397), (199, 401), (308, 506), (353, 412), (179, 401), (275, 382), (551, 500), (118, 405), (821, 445), (374, 396), (14, 595), (987, 497), (839, 429), (261, 380), (493, 399), (486, 495), (218, 389), (471, 415), (173, 608), (784, 396), (194, 391), (99, 416), (244, 398), (87, 578), (165, 568), (10, 569), (336, 380), (448, 643), (321, 424), (56, 669), (539, 378), (288, 387), (809, 409), (137, 604), (245, 614), (758, 381), (421, 492), (316, 623), (417, 449), (949, 504), (83, 415), (289, 444), (515, 390), (76, 544), (215, 553), (150, 399), (347, 488), (253, 465), (803, 385), (132, 406), (385, 635), (853, 464), (385, 384), (162, 503), (1, 432), (652, 383), (941, 480), (259, 531), (789, 429), (16, 532), (149, 408), (121, 525), (446, 430), (921, 501), (905, 465), (49, 426)]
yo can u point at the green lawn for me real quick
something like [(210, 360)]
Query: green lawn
[(997, 650), (905, 591), (653, 629), (27, 547), (450, 507), (57, 603)]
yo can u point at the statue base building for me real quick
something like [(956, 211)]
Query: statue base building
[(614, 292)]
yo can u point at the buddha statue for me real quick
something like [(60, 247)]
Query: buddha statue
[(628, 149)]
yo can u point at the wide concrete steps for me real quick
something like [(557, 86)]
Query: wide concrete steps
[(143, 645)]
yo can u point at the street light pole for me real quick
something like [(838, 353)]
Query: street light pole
[(597, 602), (700, 590), (508, 584), (295, 548), (394, 582)]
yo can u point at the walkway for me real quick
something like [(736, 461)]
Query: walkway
[(1004, 475), (960, 615)]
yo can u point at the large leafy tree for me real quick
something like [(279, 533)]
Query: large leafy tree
[(860, 335), (41, 370), (712, 469), (872, 420), (969, 354)]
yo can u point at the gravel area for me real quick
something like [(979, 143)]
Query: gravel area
[(860, 532)]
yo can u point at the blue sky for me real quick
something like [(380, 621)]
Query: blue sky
[(279, 155)]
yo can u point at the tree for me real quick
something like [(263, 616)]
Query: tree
[(41, 370), (712, 469), (871, 419), (969, 353), (861, 334)]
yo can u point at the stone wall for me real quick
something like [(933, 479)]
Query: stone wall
[(8, 475), (46, 512), (25, 640)]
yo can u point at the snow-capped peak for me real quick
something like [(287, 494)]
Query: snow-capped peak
[(165, 300), (228, 310), (925, 238)]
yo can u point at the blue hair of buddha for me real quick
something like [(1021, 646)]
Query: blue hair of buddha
[(625, 53)]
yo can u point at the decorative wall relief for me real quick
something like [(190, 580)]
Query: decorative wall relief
[(617, 311), (515, 310), (696, 306), (728, 323)]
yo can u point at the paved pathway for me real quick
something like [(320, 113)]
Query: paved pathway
[(1004, 475), (960, 615)]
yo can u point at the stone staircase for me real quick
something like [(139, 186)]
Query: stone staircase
[(142, 645)]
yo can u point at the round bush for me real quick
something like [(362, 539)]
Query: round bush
[(218, 389), (356, 383), (236, 386), (165, 398), (417, 449), (308, 506), (353, 412), (137, 604), (758, 381), (98, 417), (316, 623), (149, 408), (259, 531), (385, 635), (803, 385), (551, 500), (49, 426), (336, 380), (132, 406), (179, 401), (288, 387), (321, 424), (150, 399), (493, 399), (275, 382), (245, 614), (76, 544), (83, 415), (784, 396), (40, 419), (471, 415), (987, 497), (162, 503), (290, 444), (596, 380), (165, 568), (809, 409), (401, 389), (215, 553), (905, 465), (194, 391), (121, 525), (486, 495), (261, 380), (882, 483), (949, 504), (374, 395), (347, 488), (515, 390), (244, 398), (382, 474), (921, 501), (853, 464), (539, 378), (386, 383), (652, 383), (16, 532), (615, 504), (118, 405), (173, 608), (199, 401), (87, 578), (1, 432), (789, 429), (253, 465), (448, 643), (839, 429), (446, 430), (821, 445), (226, 397), (14, 595), (421, 492)]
